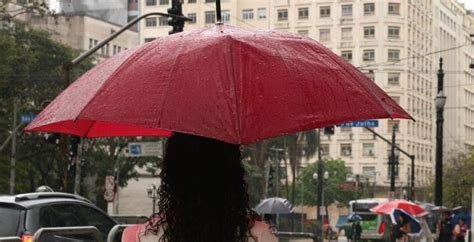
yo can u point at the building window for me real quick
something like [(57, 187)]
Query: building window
[(191, 1), (347, 54), (150, 2), (369, 8), (225, 14), (369, 32), (393, 79), (192, 16), (210, 17), (210, 1), (163, 21), (368, 149), (146, 41), (368, 55), (371, 76), (390, 171), (324, 35), (393, 55), (105, 49), (262, 13), (325, 12), (394, 8), (391, 123), (368, 171), (346, 10), (303, 13), (346, 149), (393, 32), (164, 2), (150, 22), (346, 33), (91, 43), (282, 15), (324, 149), (247, 14), (304, 32)]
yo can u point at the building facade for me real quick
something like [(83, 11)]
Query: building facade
[(392, 41), (454, 25)]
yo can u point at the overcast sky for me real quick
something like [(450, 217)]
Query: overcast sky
[(469, 3)]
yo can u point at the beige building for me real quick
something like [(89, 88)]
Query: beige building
[(81, 32), (454, 25), (392, 42)]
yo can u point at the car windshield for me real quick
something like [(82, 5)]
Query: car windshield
[(9, 221)]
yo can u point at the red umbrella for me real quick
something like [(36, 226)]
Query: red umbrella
[(407, 206), (227, 83)]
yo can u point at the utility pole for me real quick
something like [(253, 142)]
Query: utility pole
[(13, 154), (320, 185), (77, 162), (392, 161), (440, 102)]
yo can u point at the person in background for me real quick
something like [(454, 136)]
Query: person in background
[(203, 196), (445, 228), (357, 230), (401, 230), (459, 231)]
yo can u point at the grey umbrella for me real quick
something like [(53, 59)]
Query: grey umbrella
[(274, 205)]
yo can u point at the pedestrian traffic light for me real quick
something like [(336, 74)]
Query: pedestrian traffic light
[(329, 130), (178, 24)]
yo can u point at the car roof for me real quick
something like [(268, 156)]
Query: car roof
[(29, 200)]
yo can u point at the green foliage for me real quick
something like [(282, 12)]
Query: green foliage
[(458, 181), (306, 185)]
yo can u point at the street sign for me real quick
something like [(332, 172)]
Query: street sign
[(109, 183), (109, 196), (363, 123), (348, 186), (322, 210), (27, 118), (141, 149)]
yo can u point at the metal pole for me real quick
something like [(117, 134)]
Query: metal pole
[(392, 161), (277, 176), (77, 178), (439, 141), (218, 11), (320, 182), (412, 188), (13, 154)]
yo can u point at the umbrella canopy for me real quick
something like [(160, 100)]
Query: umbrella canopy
[(414, 223), (354, 217), (274, 205), (407, 206), (462, 215), (223, 82)]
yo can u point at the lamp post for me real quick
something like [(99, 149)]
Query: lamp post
[(152, 192), (320, 198), (440, 101)]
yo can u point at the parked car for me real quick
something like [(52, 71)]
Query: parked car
[(22, 215)]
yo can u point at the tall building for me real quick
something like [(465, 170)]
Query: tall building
[(392, 41), (454, 25)]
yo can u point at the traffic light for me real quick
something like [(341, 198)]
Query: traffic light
[(177, 24), (329, 130), (52, 138)]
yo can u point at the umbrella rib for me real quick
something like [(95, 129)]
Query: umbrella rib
[(236, 100), (89, 129)]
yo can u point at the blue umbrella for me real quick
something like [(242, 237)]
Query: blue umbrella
[(461, 215), (415, 227), (341, 221), (354, 217)]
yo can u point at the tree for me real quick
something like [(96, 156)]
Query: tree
[(458, 181), (306, 185), (9, 10)]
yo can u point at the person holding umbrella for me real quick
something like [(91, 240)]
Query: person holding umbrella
[(459, 231), (203, 196)]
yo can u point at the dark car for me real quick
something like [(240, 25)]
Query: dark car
[(22, 215)]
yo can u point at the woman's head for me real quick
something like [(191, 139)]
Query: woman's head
[(203, 195), (461, 221)]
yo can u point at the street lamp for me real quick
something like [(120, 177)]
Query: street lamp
[(321, 194), (393, 156), (152, 192), (440, 101)]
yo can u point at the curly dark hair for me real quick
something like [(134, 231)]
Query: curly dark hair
[(203, 194)]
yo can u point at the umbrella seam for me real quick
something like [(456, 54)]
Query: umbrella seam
[(239, 133), (90, 127)]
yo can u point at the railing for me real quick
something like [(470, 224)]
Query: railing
[(115, 231), (85, 230), (10, 239), (293, 235)]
